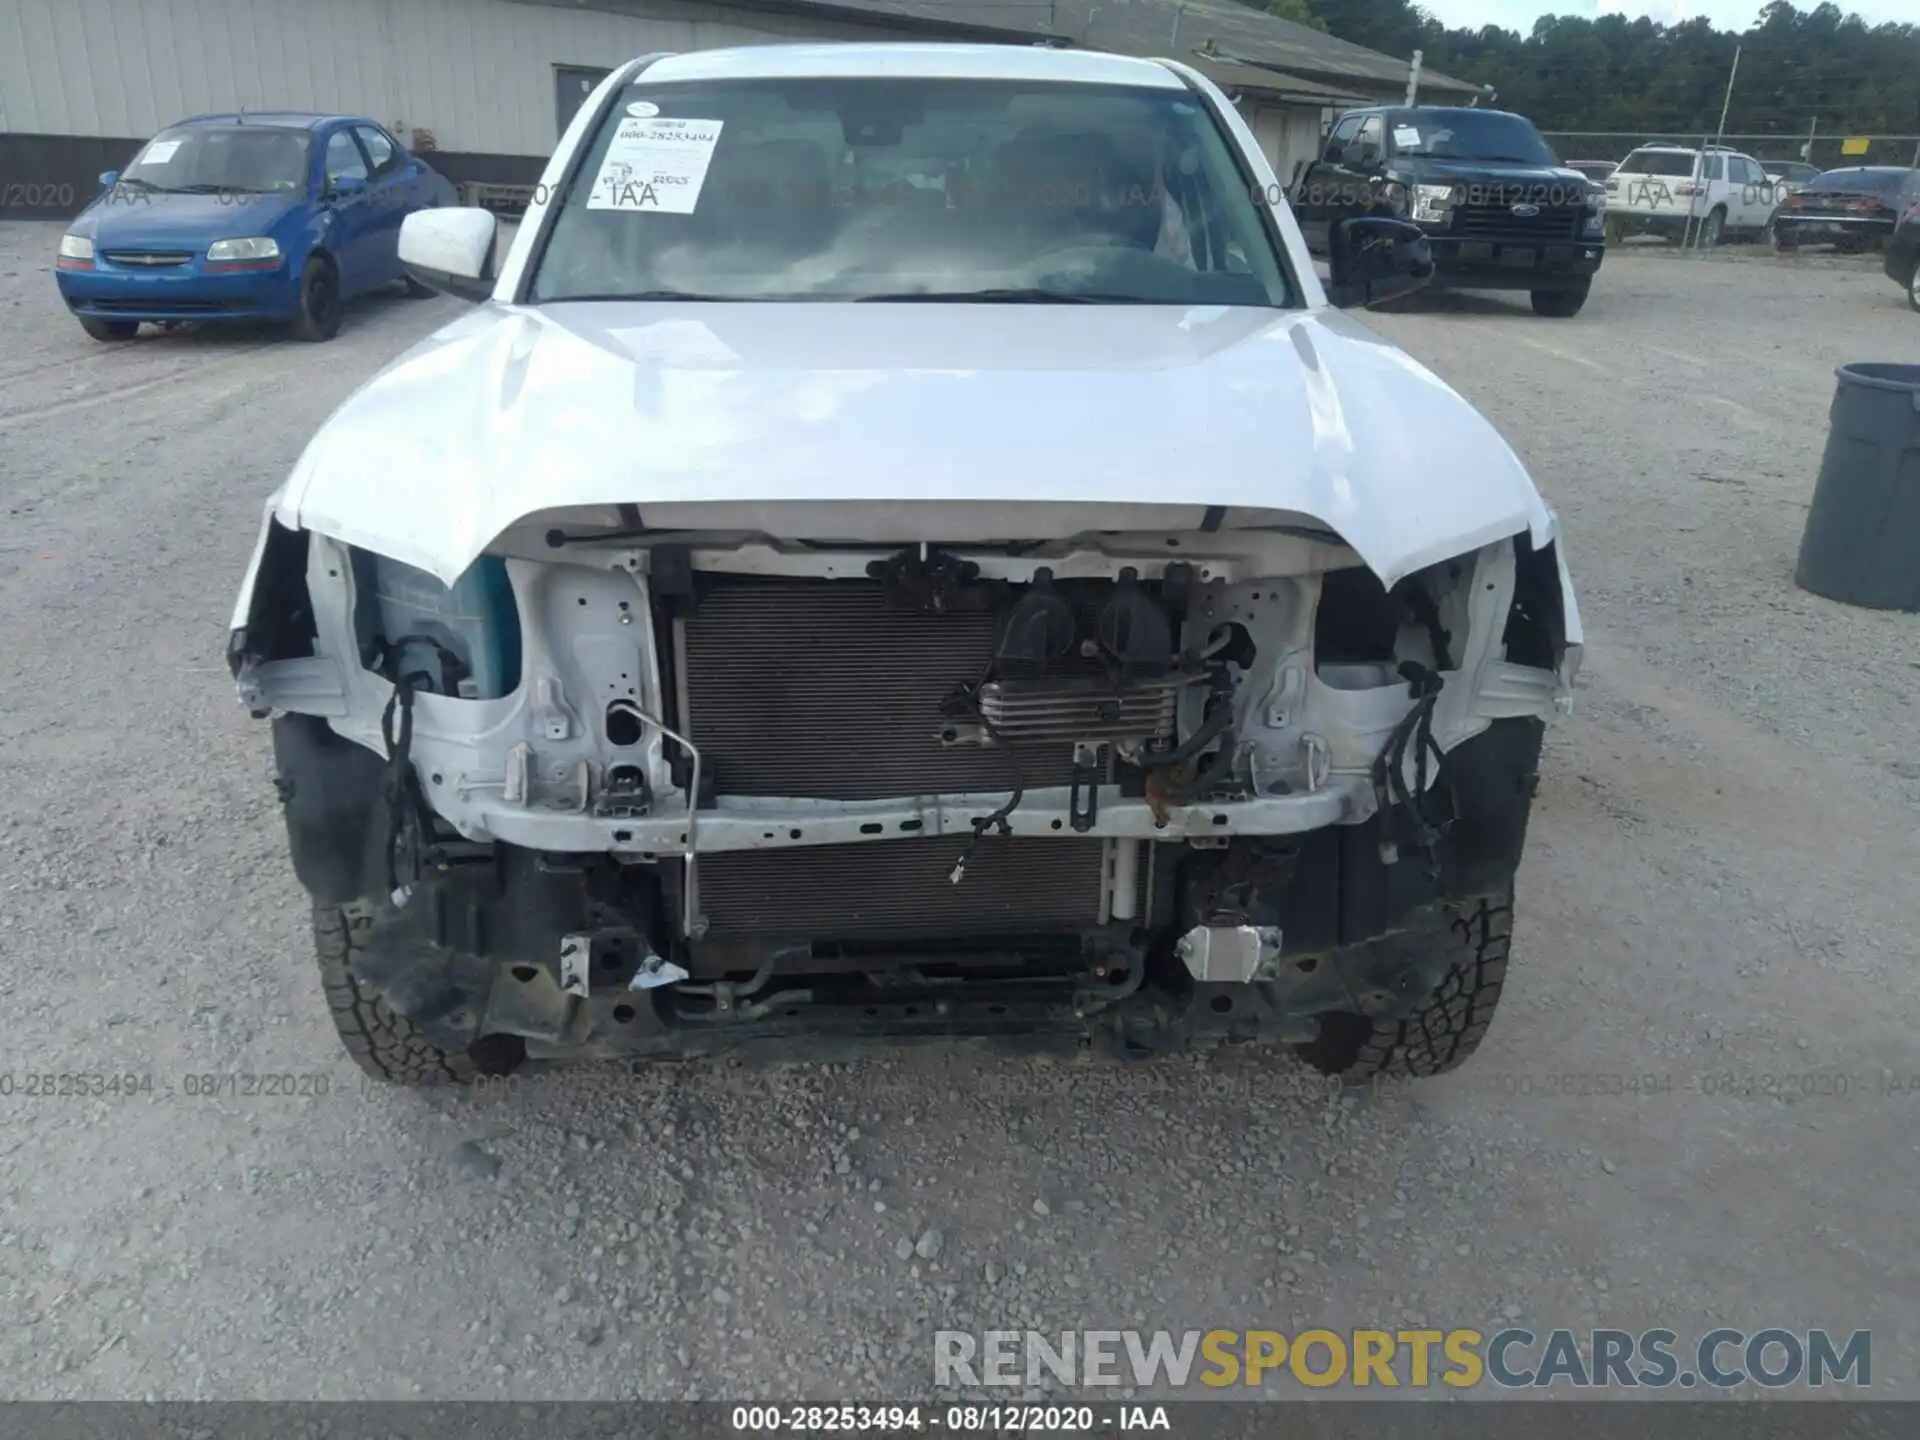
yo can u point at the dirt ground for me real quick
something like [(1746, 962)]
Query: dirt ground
[(1697, 1107)]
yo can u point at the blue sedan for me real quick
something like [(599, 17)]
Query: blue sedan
[(258, 217)]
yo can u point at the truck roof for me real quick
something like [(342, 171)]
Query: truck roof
[(914, 62)]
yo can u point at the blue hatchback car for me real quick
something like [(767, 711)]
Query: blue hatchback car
[(261, 216)]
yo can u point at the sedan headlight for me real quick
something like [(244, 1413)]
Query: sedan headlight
[(76, 248), (1432, 202), (255, 248)]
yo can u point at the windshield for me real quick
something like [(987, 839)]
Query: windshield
[(861, 189), (1678, 163), (227, 158), (1885, 182), (1469, 135)]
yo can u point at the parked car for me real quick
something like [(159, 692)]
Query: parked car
[(1672, 191), (1903, 252), (1788, 176), (1852, 209), (1040, 613), (1499, 210), (1596, 172), (265, 216)]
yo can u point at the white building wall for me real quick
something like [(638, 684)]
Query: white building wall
[(478, 73), (1288, 134)]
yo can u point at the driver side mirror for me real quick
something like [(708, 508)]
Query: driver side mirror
[(109, 179), (344, 187), (1374, 258), (451, 250)]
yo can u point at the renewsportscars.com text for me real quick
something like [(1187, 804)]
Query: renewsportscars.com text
[(1771, 1358)]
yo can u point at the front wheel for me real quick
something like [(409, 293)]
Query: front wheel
[(318, 319), (1561, 304), (1615, 230), (1713, 229), (1913, 284), (109, 329), (1778, 245), (383, 1042), (1449, 1024)]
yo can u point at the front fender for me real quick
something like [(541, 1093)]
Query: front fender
[(243, 606)]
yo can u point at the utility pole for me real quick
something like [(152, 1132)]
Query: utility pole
[(1413, 77), (1727, 104)]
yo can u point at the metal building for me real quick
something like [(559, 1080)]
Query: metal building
[(487, 85)]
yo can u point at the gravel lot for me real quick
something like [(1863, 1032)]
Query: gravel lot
[(1720, 882)]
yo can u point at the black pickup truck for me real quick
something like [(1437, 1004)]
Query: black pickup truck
[(1500, 210)]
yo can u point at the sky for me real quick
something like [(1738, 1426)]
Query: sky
[(1725, 14)]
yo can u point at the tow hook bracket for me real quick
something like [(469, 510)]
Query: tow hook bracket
[(576, 960), (1230, 954), (655, 971)]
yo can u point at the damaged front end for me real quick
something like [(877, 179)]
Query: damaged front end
[(621, 791)]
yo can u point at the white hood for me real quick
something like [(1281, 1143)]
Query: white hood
[(511, 411)]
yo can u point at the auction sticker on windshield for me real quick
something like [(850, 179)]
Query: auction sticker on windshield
[(159, 152), (655, 165), (1406, 137)]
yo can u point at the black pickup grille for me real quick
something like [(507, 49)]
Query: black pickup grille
[(1499, 222)]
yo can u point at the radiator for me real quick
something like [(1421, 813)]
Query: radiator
[(821, 689)]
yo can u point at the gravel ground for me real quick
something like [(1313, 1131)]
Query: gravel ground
[(1720, 883)]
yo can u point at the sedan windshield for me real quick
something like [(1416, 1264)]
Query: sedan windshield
[(224, 158), (861, 189)]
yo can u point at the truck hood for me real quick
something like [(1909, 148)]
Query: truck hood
[(513, 410), (1440, 170)]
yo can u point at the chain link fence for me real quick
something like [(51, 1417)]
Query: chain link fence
[(1825, 152)]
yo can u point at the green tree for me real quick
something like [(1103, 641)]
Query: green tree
[(1798, 68)]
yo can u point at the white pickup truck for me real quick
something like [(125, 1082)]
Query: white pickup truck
[(794, 608)]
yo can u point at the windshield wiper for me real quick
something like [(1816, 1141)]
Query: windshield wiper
[(620, 295), (1028, 295)]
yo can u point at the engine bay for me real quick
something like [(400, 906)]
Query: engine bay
[(766, 776)]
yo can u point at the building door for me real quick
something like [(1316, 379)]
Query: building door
[(572, 84)]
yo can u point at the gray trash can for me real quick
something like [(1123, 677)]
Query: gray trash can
[(1862, 541)]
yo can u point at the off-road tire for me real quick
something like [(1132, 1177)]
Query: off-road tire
[(383, 1043), (109, 329), (321, 304), (1561, 304), (1444, 1031)]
